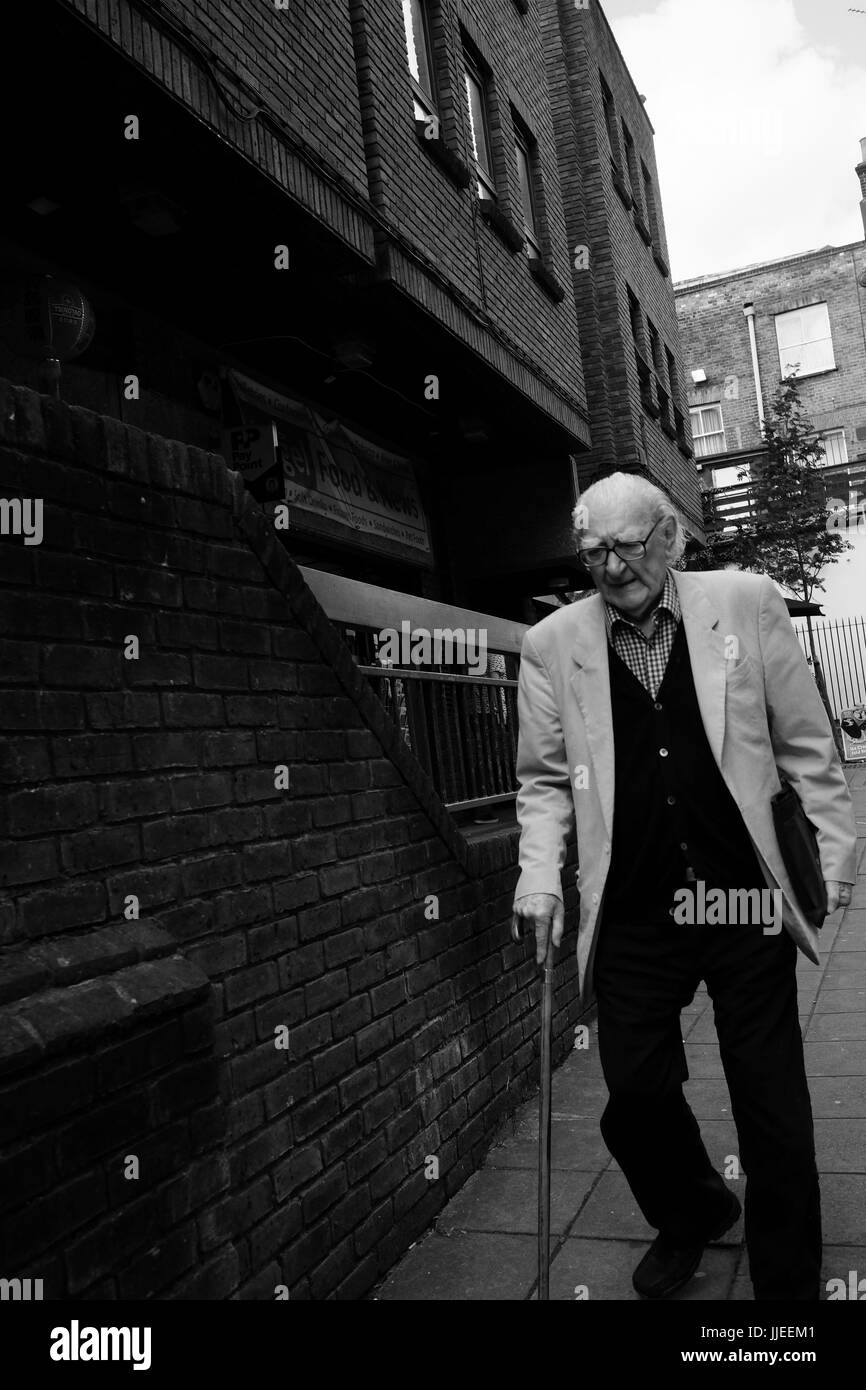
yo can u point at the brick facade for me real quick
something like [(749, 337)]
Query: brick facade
[(154, 1036), (611, 193), (297, 127), (716, 338)]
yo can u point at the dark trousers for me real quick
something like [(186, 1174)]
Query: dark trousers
[(645, 973)]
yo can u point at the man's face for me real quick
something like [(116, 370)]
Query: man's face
[(631, 585)]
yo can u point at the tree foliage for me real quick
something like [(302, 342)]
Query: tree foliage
[(787, 535)]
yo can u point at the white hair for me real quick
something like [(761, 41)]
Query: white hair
[(636, 497)]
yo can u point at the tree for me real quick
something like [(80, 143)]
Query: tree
[(788, 534)]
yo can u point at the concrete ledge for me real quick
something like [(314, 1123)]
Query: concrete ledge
[(70, 958), (68, 1019)]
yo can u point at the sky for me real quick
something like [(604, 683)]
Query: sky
[(758, 108)]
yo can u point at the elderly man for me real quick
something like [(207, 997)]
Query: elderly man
[(658, 714)]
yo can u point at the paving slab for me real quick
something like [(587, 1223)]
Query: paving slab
[(573, 1144), (847, 976), (603, 1268), (843, 1208), (612, 1211), (506, 1199), (704, 1061), (840, 1145), (840, 1001), (842, 1057), (836, 1027), (464, 1267), (838, 1096), (841, 1262)]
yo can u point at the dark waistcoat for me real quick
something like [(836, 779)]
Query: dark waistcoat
[(672, 809)]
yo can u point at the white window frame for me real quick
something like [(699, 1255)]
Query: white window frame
[(814, 341), (838, 437), (424, 101), (474, 76), (699, 435)]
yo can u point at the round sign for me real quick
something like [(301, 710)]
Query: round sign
[(45, 317)]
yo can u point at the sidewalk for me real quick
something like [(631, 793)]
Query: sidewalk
[(484, 1244)]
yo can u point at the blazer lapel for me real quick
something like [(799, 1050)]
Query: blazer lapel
[(590, 682), (709, 660)]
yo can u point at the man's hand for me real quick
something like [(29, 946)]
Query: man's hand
[(539, 911), (838, 894)]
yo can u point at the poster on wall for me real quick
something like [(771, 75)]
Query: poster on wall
[(335, 481), (853, 724), (252, 451), (331, 472)]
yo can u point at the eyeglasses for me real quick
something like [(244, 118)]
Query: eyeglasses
[(596, 555)]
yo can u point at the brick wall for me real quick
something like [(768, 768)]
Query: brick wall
[(258, 907), (294, 63), (599, 219), (716, 338), (336, 130)]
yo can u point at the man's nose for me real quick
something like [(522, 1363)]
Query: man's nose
[(614, 566)]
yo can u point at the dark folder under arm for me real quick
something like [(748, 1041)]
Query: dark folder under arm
[(798, 845)]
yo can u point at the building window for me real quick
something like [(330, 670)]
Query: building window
[(804, 340), (479, 126), (610, 122), (655, 346), (649, 200), (631, 165), (420, 55), (673, 376), (835, 447), (728, 477), (527, 170), (708, 430), (635, 318)]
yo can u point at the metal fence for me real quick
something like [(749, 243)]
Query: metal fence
[(840, 647), (462, 729), (461, 724)]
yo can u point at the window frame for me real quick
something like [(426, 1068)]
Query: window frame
[(786, 368), (473, 71), (526, 144), (631, 166), (698, 436), (838, 431), (649, 200), (427, 102)]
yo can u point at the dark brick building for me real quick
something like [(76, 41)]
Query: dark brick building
[(628, 323), (487, 353), (403, 265)]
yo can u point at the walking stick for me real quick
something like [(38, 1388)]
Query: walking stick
[(543, 1114)]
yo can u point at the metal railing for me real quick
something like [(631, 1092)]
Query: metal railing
[(726, 506), (840, 647), (461, 726)]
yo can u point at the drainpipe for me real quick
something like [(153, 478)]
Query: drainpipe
[(860, 171), (749, 312)]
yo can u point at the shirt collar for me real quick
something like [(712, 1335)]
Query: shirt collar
[(669, 600)]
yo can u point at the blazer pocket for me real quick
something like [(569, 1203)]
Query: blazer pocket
[(743, 673)]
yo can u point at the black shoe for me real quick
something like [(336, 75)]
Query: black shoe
[(666, 1267)]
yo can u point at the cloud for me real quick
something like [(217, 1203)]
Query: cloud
[(757, 130)]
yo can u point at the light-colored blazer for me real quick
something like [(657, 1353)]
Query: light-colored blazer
[(761, 712)]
